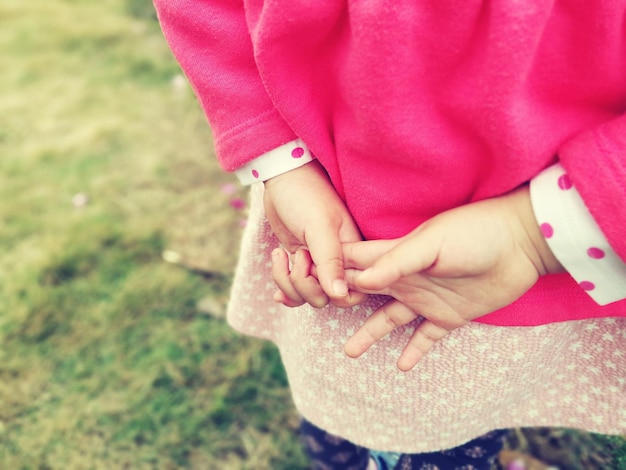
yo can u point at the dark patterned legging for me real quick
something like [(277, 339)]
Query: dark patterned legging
[(328, 452)]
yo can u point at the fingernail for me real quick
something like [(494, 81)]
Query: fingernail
[(340, 288), (275, 252)]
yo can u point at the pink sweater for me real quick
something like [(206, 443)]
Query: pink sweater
[(414, 108)]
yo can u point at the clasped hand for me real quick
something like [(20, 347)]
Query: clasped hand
[(454, 268), (311, 222)]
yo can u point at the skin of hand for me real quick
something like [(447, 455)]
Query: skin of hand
[(457, 266), (311, 222)]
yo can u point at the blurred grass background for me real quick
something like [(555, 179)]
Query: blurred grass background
[(110, 357)]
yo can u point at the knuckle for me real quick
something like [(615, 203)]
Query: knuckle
[(348, 253), (419, 347), (354, 298), (368, 332), (331, 264), (432, 332), (390, 320), (430, 339)]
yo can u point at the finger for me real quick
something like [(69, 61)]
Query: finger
[(305, 284), (280, 274), (281, 298), (325, 248), (361, 255), (351, 277), (412, 254), (421, 342), (383, 321), (353, 298)]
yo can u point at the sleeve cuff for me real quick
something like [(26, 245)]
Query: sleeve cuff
[(575, 238), (282, 159)]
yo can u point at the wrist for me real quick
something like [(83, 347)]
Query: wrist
[(308, 168), (535, 244)]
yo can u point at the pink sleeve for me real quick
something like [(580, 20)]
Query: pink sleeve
[(596, 163), (211, 41)]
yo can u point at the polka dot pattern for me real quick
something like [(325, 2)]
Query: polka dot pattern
[(575, 237), (596, 253), (565, 182), (547, 230), (587, 285), (280, 160)]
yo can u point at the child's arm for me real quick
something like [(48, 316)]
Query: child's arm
[(311, 222), (211, 41), (595, 162), (458, 266)]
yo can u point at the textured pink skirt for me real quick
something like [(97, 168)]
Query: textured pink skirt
[(479, 378)]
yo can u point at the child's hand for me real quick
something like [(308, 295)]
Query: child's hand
[(458, 266), (311, 222)]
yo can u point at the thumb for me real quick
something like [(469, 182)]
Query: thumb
[(363, 254), (325, 249), (412, 254)]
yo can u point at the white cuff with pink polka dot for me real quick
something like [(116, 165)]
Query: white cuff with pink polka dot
[(575, 238), (282, 159)]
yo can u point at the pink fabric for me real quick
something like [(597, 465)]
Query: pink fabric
[(414, 108), (417, 107), (212, 43)]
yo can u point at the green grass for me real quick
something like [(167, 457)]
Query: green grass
[(106, 360)]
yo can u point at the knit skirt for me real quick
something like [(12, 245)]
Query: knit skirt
[(478, 379)]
